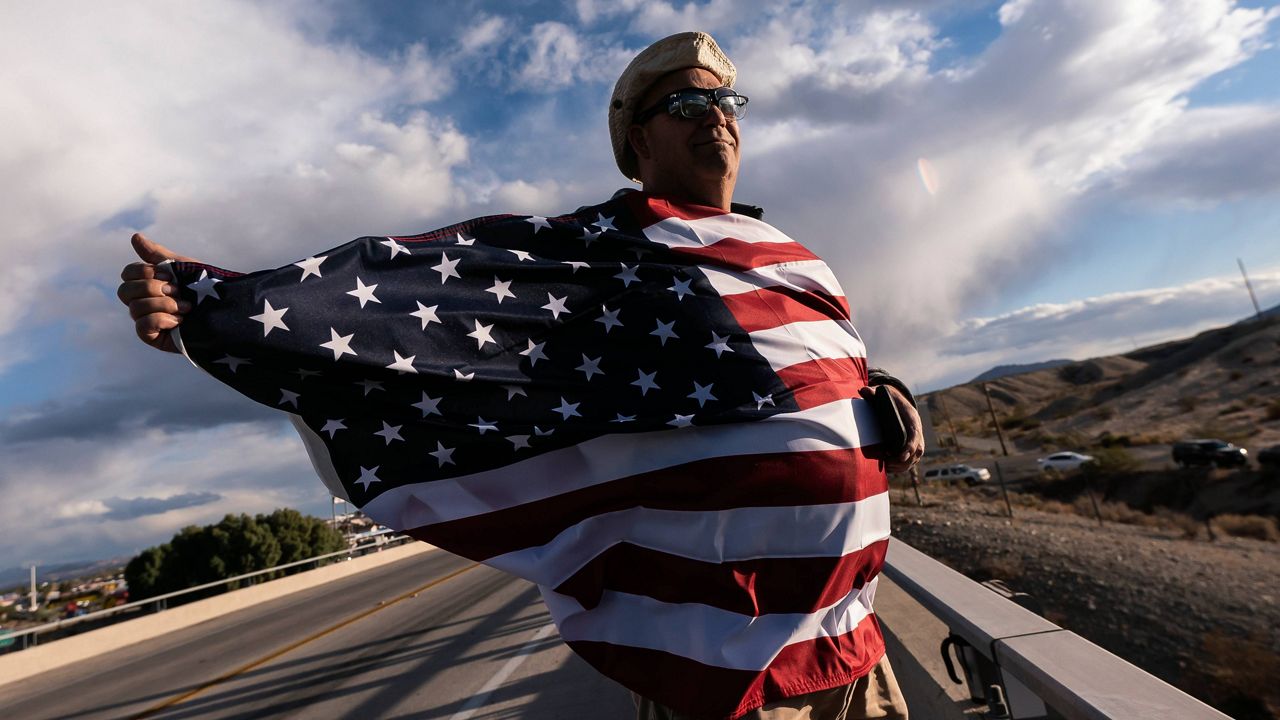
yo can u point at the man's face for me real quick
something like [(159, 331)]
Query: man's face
[(691, 149)]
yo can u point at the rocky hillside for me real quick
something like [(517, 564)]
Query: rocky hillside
[(1222, 383)]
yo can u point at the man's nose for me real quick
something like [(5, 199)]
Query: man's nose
[(715, 116)]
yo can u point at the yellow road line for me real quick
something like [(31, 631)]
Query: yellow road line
[(293, 646)]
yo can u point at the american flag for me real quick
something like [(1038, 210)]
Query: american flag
[(649, 409)]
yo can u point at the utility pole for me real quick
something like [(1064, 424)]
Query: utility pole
[(999, 433), (33, 588), (942, 402), (1257, 311)]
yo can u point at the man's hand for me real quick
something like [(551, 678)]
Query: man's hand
[(152, 300), (914, 448)]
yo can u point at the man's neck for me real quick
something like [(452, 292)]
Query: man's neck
[(718, 195)]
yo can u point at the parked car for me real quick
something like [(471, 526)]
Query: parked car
[(1209, 452), (952, 474), (1063, 461), (1270, 457)]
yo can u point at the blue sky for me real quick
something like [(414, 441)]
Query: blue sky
[(1100, 164)]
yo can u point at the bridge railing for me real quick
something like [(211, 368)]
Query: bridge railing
[(1024, 666), (17, 640)]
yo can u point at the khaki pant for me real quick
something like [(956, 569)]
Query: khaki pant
[(875, 695)]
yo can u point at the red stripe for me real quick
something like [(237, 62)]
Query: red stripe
[(772, 307), (652, 209), (818, 382), (748, 587), (706, 691), (742, 255), (766, 480)]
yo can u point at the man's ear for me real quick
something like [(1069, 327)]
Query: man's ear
[(639, 142)]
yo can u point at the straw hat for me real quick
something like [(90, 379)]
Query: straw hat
[(677, 52)]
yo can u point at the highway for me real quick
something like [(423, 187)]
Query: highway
[(431, 636)]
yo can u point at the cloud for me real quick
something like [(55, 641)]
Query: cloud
[(118, 508)]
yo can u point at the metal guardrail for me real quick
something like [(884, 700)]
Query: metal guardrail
[(1038, 669), (23, 639)]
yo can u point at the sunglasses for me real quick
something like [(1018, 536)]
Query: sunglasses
[(695, 103)]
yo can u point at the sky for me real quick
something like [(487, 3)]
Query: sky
[(991, 182)]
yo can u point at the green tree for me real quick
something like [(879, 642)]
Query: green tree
[(143, 573)]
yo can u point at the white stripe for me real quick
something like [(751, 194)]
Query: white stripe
[(799, 342), (801, 275), (837, 425), (715, 536), (482, 695), (721, 638), (675, 232)]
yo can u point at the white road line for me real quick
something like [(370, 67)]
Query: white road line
[(478, 700)]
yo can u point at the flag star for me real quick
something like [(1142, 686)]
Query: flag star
[(310, 266), (443, 455), (501, 288), (590, 367), (702, 394), (463, 377), (390, 432), (681, 421), (447, 268), (664, 331), (233, 362), (514, 390), (645, 382), (567, 409), (288, 397), (271, 318), (482, 335), (681, 288), (367, 476), (534, 353), (539, 432), (369, 386), (396, 248), (624, 418), (762, 400), (610, 318), (339, 344), (204, 287), (364, 293), (403, 365), (304, 374), (719, 344), (575, 264), (539, 223), (523, 255), (429, 405), (518, 441), (556, 306), (426, 314), (464, 239), (604, 223), (627, 276), (483, 425), (332, 427), (588, 237)]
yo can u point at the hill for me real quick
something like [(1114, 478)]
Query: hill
[(1222, 383), (1000, 371)]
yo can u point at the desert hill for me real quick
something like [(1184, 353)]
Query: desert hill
[(1222, 383)]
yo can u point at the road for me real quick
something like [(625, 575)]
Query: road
[(431, 636)]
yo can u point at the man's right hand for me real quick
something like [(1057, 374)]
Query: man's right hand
[(152, 300)]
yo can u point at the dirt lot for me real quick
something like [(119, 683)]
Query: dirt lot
[(1204, 616)]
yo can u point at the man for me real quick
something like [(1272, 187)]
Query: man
[(716, 551)]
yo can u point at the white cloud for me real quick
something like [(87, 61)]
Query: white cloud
[(486, 32)]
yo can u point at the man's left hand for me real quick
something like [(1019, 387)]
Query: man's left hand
[(914, 448)]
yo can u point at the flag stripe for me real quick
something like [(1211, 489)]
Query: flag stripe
[(740, 255), (701, 690), (822, 381), (837, 425), (719, 483), (803, 276), (771, 307), (750, 587), (725, 639), (648, 210), (803, 342)]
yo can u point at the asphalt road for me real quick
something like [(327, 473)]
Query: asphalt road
[(427, 637)]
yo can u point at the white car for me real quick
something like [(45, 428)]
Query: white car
[(1063, 461), (953, 474)]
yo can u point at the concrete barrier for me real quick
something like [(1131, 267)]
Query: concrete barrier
[(17, 666)]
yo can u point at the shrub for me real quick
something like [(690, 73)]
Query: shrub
[(1258, 527), (1235, 375), (1187, 403), (1273, 410)]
